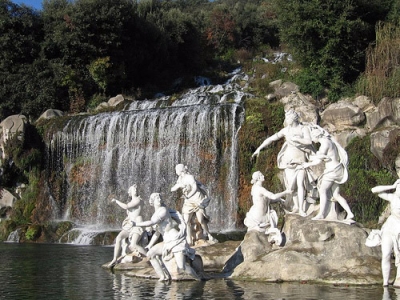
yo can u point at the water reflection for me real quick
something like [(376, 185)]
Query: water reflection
[(391, 293), (126, 287)]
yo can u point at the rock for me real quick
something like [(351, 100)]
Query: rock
[(344, 137), (116, 100), (51, 113), (364, 103), (215, 256), (387, 113), (283, 89), (304, 105), (7, 199), (342, 115), (11, 125), (318, 251), (102, 105), (381, 138)]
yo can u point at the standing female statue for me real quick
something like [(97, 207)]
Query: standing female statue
[(294, 152), (390, 232), (196, 201)]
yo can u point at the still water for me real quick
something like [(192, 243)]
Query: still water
[(42, 271)]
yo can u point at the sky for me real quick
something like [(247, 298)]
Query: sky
[(37, 4)]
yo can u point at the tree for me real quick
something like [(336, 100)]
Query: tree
[(329, 37), (20, 37)]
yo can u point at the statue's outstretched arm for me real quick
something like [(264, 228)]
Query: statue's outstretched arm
[(384, 188), (121, 204), (277, 136)]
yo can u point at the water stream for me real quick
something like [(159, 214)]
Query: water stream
[(98, 157)]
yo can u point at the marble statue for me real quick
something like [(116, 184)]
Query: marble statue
[(133, 209), (195, 202), (335, 173), (390, 231), (261, 217), (295, 151), (171, 226)]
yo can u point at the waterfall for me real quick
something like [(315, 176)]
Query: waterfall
[(99, 157), (14, 236)]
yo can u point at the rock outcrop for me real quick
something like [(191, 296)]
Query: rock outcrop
[(317, 251)]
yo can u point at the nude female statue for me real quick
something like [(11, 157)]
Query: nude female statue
[(196, 201), (390, 232), (133, 209), (261, 217), (335, 171), (171, 226), (294, 152)]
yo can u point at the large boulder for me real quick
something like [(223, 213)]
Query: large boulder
[(381, 138), (342, 115), (12, 125), (116, 100), (7, 199), (318, 251), (51, 113), (283, 89), (302, 104), (387, 113)]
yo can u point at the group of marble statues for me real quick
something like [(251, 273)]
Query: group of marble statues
[(176, 230), (314, 166), (297, 158)]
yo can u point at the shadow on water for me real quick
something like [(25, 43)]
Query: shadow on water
[(43, 271)]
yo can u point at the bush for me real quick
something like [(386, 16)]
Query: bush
[(365, 172)]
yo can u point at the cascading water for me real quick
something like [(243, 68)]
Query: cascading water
[(97, 158)]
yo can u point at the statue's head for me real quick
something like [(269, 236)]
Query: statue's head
[(132, 190), (257, 176), (291, 117), (317, 132), (180, 168), (155, 199)]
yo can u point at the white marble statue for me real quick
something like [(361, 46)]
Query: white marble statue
[(196, 200), (335, 173), (295, 151), (390, 232), (133, 209), (171, 226), (261, 217)]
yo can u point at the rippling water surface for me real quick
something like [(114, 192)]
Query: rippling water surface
[(41, 271)]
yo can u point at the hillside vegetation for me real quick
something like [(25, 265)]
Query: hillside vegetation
[(72, 55)]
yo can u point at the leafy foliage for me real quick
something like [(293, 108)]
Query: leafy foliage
[(382, 74), (329, 37), (365, 172)]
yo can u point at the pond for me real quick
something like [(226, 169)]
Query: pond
[(62, 271)]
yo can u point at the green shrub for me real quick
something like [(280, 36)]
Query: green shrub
[(365, 172)]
